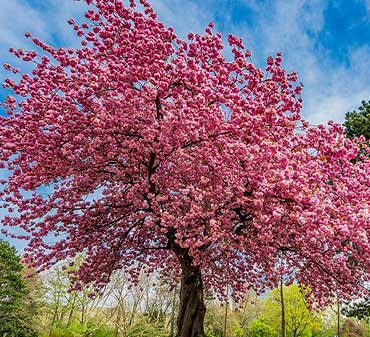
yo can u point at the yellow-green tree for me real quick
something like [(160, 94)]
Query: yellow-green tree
[(300, 319)]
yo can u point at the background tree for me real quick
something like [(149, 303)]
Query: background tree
[(72, 311), (259, 328), (160, 153), (357, 123), (300, 320), (360, 310), (34, 301), (16, 311), (250, 309), (215, 322)]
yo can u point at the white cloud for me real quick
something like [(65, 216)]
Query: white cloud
[(47, 22), (15, 17), (184, 17), (278, 25), (331, 89), (367, 5)]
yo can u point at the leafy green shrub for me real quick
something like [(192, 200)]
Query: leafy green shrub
[(258, 328), (60, 332), (143, 329), (79, 330), (104, 332)]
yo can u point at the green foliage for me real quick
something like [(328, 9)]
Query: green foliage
[(215, 320), (12, 287), (144, 329), (258, 328), (15, 312), (360, 310), (357, 123), (300, 320), (76, 329), (58, 332)]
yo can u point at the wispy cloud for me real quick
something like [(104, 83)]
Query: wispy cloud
[(15, 16), (184, 17), (295, 27)]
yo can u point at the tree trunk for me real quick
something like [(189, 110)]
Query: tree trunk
[(172, 322), (190, 322), (226, 307), (283, 324), (70, 315), (338, 318)]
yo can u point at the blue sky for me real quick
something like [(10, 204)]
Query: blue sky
[(326, 41)]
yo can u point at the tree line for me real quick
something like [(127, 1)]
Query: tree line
[(46, 305)]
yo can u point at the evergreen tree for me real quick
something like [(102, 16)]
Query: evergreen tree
[(360, 310), (357, 123), (14, 318)]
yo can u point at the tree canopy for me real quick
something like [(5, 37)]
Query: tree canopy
[(259, 328)]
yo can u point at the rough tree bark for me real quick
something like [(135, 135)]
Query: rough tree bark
[(190, 321)]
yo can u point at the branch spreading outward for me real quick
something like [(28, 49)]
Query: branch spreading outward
[(157, 151)]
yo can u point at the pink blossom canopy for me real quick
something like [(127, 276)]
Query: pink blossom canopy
[(142, 138)]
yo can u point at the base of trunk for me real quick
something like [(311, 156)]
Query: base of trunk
[(190, 322)]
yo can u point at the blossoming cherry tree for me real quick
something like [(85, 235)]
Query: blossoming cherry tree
[(148, 152)]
